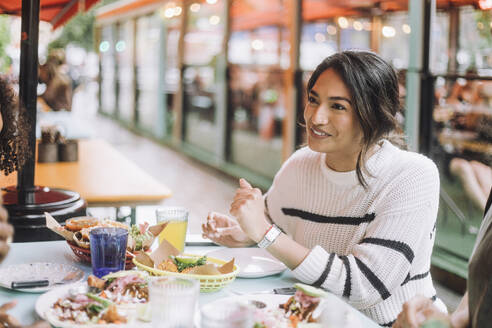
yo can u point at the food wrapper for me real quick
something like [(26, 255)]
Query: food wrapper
[(165, 250), (54, 226)]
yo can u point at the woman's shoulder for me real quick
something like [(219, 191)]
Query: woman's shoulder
[(405, 162), (302, 159)]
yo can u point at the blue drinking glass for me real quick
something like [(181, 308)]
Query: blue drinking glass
[(108, 250)]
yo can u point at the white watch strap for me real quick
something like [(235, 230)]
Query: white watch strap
[(270, 236)]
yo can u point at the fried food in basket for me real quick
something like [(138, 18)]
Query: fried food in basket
[(79, 223), (82, 237)]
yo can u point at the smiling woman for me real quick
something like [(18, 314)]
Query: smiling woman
[(352, 212)]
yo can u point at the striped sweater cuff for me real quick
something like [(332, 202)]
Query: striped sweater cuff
[(312, 268)]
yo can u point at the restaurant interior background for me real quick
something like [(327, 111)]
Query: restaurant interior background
[(223, 82)]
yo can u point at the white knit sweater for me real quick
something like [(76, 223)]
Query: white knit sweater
[(371, 246)]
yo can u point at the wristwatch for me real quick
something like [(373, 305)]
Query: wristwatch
[(272, 233)]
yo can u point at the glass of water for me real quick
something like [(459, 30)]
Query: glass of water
[(173, 302)]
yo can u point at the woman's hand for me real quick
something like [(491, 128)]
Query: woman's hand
[(224, 231), (416, 311), (6, 233), (6, 320), (249, 209)]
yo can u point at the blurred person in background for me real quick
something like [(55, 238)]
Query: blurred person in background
[(13, 145), (58, 93), (468, 91), (475, 308), (475, 177), (353, 212)]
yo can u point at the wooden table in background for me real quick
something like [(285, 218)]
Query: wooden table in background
[(102, 176)]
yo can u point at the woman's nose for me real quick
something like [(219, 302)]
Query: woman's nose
[(320, 115)]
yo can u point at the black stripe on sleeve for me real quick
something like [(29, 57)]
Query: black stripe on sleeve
[(389, 324), (393, 244), (326, 271), (373, 279), (308, 216), (416, 277), (348, 283)]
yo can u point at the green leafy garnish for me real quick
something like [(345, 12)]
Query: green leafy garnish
[(185, 264), (259, 325), (105, 302), (95, 308)]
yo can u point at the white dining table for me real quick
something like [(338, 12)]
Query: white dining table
[(59, 252)]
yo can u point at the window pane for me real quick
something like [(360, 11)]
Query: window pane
[(203, 42), (351, 36), (395, 38), (148, 63), (106, 48), (475, 40), (124, 55), (257, 84), (318, 41)]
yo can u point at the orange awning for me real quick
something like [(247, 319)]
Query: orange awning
[(249, 14), (56, 12)]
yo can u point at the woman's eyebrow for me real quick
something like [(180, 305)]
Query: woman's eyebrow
[(314, 93), (340, 98)]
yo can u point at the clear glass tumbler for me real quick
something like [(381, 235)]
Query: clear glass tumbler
[(177, 223), (223, 314), (173, 302), (108, 250)]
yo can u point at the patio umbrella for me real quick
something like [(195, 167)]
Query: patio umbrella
[(56, 12), (27, 203)]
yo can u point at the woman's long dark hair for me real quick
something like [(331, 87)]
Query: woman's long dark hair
[(14, 133), (373, 87)]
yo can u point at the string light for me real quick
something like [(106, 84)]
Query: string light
[(257, 44), (406, 28), (358, 26), (214, 20), (212, 2), (343, 22), (331, 29), (120, 46), (104, 46), (169, 12), (367, 26), (485, 4), (319, 37), (388, 31), (195, 7)]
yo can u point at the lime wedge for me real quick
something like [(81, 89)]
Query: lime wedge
[(187, 259), (144, 312), (310, 290)]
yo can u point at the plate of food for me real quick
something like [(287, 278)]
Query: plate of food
[(113, 300), (254, 262), (302, 310), (166, 260), (77, 234), (38, 277)]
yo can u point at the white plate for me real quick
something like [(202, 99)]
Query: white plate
[(54, 272), (253, 262), (271, 301), (45, 301)]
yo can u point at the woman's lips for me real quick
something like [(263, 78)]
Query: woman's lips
[(319, 134)]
